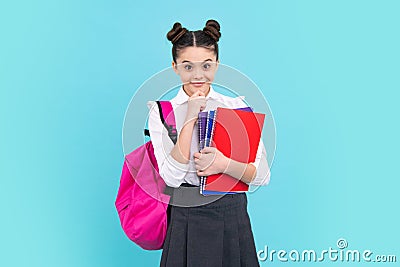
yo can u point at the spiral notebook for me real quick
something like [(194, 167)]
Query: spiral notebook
[(206, 126)]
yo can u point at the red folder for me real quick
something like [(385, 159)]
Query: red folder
[(237, 135)]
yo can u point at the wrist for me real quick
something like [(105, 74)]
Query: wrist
[(224, 166), (190, 120)]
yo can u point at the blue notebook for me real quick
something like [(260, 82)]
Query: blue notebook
[(209, 126)]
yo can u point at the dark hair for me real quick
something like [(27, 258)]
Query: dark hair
[(181, 37)]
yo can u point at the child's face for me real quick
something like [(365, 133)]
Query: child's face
[(196, 66)]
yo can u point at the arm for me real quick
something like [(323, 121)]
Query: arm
[(245, 172), (173, 160), (211, 161), (181, 151), (263, 172)]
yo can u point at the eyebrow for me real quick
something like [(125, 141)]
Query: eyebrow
[(209, 59)]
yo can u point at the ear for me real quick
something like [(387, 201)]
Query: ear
[(216, 68), (174, 67)]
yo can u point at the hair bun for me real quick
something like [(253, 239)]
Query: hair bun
[(176, 32), (212, 29)]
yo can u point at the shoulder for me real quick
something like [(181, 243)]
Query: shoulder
[(175, 101), (153, 107), (151, 104), (154, 114)]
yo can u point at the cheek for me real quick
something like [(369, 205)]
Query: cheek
[(185, 77), (210, 76)]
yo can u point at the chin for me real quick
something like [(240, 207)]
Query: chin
[(203, 88)]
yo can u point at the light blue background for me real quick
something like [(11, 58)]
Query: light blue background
[(329, 70)]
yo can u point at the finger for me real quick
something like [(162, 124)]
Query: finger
[(198, 167), (202, 173), (197, 98), (208, 150), (197, 93)]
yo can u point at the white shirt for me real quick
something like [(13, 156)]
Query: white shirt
[(175, 173)]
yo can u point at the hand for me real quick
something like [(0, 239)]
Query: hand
[(196, 103), (210, 161)]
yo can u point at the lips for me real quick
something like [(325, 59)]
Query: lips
[(197, 84)]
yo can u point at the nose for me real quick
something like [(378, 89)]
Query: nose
[(198, 73)]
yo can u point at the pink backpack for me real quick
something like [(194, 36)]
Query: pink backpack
[(141, 202)]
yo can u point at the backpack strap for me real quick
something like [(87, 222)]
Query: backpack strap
[(167, 117)]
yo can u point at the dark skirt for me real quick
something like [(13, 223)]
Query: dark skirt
[(212, 235)]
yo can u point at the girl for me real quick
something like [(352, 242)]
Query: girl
[(202, 230)]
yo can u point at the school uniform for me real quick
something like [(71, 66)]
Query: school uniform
[(203, 230)]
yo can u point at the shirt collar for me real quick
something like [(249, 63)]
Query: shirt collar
[(182, 97)]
